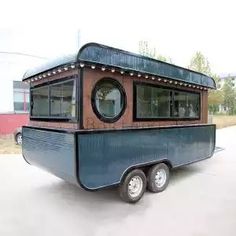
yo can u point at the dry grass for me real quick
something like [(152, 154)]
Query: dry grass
[(222, 121), (8, 146)]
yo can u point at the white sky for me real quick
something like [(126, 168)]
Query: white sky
[(176, 28)]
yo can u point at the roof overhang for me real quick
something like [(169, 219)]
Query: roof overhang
[(95, 55)]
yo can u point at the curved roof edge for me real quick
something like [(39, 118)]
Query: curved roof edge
[(104, 55)]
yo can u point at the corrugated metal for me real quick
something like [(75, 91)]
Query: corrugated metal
[(100, 54), (63, 60), (52, 151), (105, 156)]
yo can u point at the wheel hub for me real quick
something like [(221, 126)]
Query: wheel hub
[(135, 186), (160, 178)]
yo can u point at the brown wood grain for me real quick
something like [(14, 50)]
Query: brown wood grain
[(91, 121)]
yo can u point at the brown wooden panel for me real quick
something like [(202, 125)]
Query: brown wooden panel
[(51, 124), (90, 120)]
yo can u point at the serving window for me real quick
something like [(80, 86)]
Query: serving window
[(154, 102), (55, 100)]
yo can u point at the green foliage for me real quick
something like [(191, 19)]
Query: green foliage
[(215, 97), (200, 63), (229, 96), (146, 50), (225, 96)]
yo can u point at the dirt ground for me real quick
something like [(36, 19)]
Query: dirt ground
[(8, 145), (222, 121)]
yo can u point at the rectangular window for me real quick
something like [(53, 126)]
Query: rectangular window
[(153, 102), (20, 97), (40, 104), (62, 100), (54, 100), (186, 105)]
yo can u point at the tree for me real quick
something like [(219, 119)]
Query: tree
[(146, 50), (201, 64), (229, 96)]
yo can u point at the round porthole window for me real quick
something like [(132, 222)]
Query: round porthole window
[(108, 100)]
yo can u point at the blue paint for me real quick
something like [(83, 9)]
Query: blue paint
[(51, 151), (93, 53), (105, 156)]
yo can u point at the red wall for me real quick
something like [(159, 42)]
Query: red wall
[(9, 122)]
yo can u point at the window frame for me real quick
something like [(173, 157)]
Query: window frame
[(25, 93), (121, 89), (49, 84), (172, 91)]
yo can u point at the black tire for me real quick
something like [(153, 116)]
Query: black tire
[(152, 178), (19, 139), (126, 192)]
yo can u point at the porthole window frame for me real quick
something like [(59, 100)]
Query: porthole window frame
[(121, 89)]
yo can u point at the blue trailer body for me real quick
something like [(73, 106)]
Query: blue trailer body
[(97, 159)]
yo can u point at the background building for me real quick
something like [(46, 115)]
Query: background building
[(19, 51), (14, 102), (224, 78)]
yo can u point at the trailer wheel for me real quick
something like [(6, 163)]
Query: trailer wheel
[(133, 186), (158, 178)]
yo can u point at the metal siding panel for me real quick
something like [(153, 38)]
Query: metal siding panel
[(96, 53), (101, 54), (105, 156), (52, 151)]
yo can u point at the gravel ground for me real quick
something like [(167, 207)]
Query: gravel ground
[(200, 200)]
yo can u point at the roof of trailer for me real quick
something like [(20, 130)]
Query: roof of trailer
[(93, 54)]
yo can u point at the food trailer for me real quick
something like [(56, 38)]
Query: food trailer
[(107, 117)]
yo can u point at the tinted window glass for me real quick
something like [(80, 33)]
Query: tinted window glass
[(62, 99), (152, 102), (155, 102), (56, 100), (109, 100), (186, 105), (40, 104)]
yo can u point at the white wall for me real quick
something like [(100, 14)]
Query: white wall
[(43, 43), (12, 67)]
